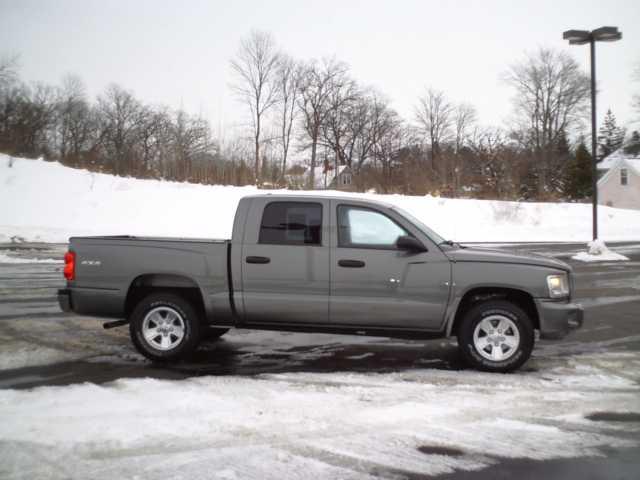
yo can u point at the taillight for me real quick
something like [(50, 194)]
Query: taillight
[(70, 265)]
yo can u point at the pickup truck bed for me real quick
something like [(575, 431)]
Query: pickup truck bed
[(141, 264)]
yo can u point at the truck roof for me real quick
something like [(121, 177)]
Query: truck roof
[(306, 196)]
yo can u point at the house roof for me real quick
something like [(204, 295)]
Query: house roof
[(611, 159), (342, 168), (632, 163)]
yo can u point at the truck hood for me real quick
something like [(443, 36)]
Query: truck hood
[(487, 255)]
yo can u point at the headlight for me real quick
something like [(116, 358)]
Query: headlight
[(558, 285)]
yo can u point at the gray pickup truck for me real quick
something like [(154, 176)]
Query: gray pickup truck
[(321, 264)]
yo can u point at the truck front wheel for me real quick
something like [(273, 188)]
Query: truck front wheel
[(496, 336), (164, 327)]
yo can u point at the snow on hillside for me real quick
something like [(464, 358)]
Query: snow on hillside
[(45, 201)]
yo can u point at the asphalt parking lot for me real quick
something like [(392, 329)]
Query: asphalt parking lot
[(44, 347)]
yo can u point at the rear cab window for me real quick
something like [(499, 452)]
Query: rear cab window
[(291, 223)]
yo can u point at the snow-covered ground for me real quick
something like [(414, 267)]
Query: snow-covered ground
[(312, 425), (44, 201)]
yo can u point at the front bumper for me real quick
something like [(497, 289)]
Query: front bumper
[(64, 300), (557, 319)]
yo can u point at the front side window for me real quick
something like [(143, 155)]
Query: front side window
[(362, 227), (291, 223), (624, 176)]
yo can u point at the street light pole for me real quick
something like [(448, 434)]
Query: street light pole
[(581, 37), (594, 143)]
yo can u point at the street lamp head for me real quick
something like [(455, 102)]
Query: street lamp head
[(602, 34), (606, 34), (577, 37)]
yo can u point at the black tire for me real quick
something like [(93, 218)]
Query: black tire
[(491, 313), (165, 302), (210, 333)]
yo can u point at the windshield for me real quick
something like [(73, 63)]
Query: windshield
[(420, 226)]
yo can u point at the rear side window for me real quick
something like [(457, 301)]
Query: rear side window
[(291, 223)]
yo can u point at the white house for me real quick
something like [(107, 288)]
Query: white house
[(328, 177), (620, 185)]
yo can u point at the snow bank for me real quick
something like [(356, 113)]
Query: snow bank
[(45, 201), (598, 252)]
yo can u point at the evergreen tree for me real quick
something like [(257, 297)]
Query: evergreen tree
[(578, 184), (633, 147), (611, 136), (562, 156)]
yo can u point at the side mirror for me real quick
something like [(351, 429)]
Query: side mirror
[(410, 244)]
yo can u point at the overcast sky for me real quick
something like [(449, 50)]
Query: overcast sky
[(177, 52)]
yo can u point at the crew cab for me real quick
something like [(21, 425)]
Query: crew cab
[(321, 264)]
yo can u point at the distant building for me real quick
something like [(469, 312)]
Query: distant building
[(327, 177), (619, 185)]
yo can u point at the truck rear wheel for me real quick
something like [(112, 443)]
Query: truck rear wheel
[(165, 327), (496, 336)]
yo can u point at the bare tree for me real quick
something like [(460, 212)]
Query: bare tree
[(389, 136), (361, 136), (256, 66), (119, 115), (434, 115), (492, 161), (27, 119), (190, 140), (289, 76), (318, 83), (551, 98), (154, 138), (354, 128), (73, 120), (464, 118), (337, 131), (9, 65)]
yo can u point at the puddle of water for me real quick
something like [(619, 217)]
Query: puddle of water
[(440, 450), (614, 417), (20, 380)]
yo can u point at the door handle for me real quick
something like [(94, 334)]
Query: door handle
[(258, 259), (351, 263)]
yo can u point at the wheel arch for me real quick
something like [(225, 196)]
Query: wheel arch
[(148, 283), (479, 294)]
